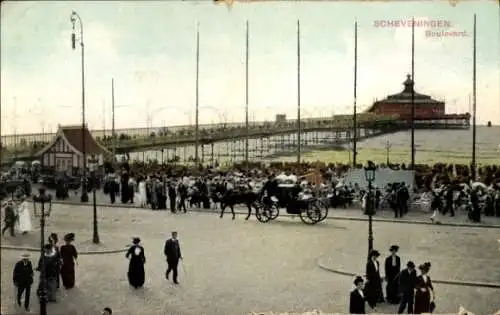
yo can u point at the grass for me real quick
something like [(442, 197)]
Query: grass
[(397, 156)]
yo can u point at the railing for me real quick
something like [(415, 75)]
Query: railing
[(220, 132), (342, 123)]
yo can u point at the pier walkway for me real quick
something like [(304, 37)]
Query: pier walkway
[(158, 138), (369, 125)]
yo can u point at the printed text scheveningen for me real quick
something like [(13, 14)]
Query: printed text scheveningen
[(408, 23)]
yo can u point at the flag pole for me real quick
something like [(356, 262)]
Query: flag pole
[(246, 91), (412, 121), (299, 127), (196, 130), (113, 131), (474, 86), (355, 114)]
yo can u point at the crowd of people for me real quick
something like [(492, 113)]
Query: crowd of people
[(445, 187), (56, 266), (413, 293)]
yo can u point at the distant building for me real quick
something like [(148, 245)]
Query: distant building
[(65, 152), (401, 104), (280, 118)]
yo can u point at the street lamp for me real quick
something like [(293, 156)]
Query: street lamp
[(370, 170), (41, 211), (74, 18), (94, 164)]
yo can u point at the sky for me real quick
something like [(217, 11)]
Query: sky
[(149, 48)]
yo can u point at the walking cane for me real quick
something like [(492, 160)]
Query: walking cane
[(184, 269)]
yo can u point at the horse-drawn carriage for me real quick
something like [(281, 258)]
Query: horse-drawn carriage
[(295, 201)]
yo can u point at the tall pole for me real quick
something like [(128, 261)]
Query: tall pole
[(104, 118), (412, 121), (15, 127), (299, 127), (369, 205), (355, 114), (474, 86), (388, 152), (196, 130), (75, 17), (95, 235), (113, 134), (246, 91), (43, 295)]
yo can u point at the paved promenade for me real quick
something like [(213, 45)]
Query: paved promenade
[(414, 217), (239, 267)]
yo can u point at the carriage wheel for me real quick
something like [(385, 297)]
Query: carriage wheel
[(260, 215), (323, 207), (306, 218), (311, 215), (272, 212), (324, 213)]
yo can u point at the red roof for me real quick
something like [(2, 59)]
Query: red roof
[(73, 136)]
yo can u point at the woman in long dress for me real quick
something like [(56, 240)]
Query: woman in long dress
[(136, 273), (49, 264), (424, 291), (25, 225), (69, 255), (143, 200), (373, 286), (53, 241)]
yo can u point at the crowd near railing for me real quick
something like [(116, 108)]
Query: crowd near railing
[(425, 174)]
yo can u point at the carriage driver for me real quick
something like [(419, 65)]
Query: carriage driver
[(269, 190)]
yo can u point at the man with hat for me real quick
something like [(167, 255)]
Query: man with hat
[(406, 285), (10, 218), (392, 269), (172, 251), (23, 279)]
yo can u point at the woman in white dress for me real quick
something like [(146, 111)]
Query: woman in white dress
[(25, 225), (143, 199)]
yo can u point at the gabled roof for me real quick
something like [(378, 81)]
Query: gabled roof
[(72, 135)]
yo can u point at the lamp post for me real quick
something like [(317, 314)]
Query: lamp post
[(74, 18), (40, 211), (94, 163), (369, 205)]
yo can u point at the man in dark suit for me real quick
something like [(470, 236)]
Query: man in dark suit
[(23, 279), (172, 250), (172, 196), (402, 197), (448, 195), (10, 219), (357, 299), (392, 269), (407, 279)]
